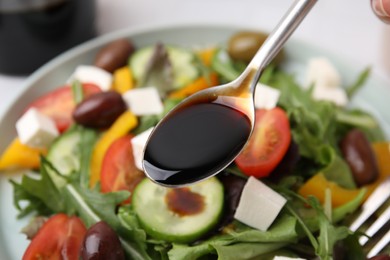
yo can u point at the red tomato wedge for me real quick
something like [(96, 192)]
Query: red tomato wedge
[(59, 104), (268, 144), (59, 238), (118, 168)]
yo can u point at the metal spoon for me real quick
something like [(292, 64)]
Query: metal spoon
[(204, 133)]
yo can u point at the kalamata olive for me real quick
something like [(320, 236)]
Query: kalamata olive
[(288, 162), (114, 55), (99, 110), (244, 45), (101, 243), (360, 157), (233, 186)]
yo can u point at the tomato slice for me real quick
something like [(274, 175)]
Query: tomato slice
[(118, 168), (268, 144), (60, 237), (59, 104)]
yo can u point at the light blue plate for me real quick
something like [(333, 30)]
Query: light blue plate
[(374, 97)]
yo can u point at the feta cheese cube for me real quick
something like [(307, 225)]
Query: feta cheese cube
[(266, 97), (94, 75), (259, 205), (36, 129), (138, 144), (320, 71), (143, 101), (335, 95), (286, 258)]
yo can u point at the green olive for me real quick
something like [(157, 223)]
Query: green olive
[(243, 46)]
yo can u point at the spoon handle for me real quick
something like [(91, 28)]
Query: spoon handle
[(278, 37)]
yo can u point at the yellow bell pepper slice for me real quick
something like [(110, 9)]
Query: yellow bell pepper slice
[(197, 85), (318, 184), (124, 124), (206, 55), (19, 156), (123, 80)]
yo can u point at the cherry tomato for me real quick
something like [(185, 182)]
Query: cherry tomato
[(268, 144), (118, 168), (60, 237), (59, 104)]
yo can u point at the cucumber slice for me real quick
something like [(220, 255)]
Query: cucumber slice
[(161, 221), (63, 153), (182, 60)]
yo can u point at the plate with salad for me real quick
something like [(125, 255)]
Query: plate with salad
[(71, 147)]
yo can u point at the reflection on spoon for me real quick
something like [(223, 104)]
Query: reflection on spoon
[(204, 133)]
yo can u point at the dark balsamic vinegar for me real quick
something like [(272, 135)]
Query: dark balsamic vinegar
[(195, 142)]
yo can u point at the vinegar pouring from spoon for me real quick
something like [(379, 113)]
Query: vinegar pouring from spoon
[(203, 134)]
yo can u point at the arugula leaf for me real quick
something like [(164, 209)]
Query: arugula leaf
[(93, 206), (282, 232), (224, 65), (41, 194), (87, 138), (358, 84), (246, 250), (329, 234), (338, 171)]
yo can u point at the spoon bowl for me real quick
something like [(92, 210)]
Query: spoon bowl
[(204, 133)]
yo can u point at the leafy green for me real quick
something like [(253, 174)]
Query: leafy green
[(256, 242), (158, 71), (359, 83), (329, 234), (318, 126), (338, 171), (224, 65), (342, 211), (85, 147), (40, 194), (77, 91), (93, 206)]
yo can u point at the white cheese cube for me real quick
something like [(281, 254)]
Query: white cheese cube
[(94, 75), (320, 71), (286, 258), (259, 205), (335, 95), (143, 101), (266, 97), (36, 129), (138, 144)]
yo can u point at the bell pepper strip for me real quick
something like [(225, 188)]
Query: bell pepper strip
[(123, 80), (20, 156), (317, 185), (206, 55), (124, 124), (199, 84)]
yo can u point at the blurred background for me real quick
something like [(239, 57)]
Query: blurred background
[(347, 27)]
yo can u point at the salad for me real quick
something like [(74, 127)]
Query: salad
[(311, 161)]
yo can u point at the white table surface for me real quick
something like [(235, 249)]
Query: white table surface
[(347, 27)]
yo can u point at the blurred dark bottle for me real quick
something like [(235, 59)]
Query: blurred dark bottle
[(35, 31)]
